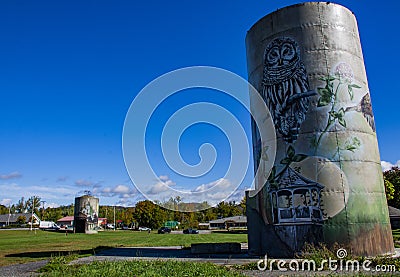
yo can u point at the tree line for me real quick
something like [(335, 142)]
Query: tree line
[(392, 186), (144, 213)]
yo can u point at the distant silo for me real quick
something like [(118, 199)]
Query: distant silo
[(86, 214), (326, 184)]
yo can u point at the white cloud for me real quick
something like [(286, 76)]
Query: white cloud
[(106, 190), (215, 192), (5, 202), (237, 196), (51, 205), (161, 186), (158, 188), (388, 165), (120, 189), (51, 194), (164, 178), (212, 192), (220, 184), (12, 175)]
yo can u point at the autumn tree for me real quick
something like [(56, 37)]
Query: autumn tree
[(21, 206), (33, 203), (149, 214), (21, 219), (227, 209), (392, 177), (4, 209)]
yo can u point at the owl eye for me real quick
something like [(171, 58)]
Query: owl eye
[(287, 51), (273, 54)]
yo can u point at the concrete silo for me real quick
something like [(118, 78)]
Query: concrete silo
[(326, 184), (86, 213)]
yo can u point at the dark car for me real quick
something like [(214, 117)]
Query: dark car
[(190, 231), (164, 230)]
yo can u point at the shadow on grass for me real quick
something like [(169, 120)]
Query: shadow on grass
[(48, 254), (233, 231)]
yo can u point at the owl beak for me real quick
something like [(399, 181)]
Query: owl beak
[(280, 62)]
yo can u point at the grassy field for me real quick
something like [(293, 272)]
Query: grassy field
[(396, 237), (25, 246), (60, 267)]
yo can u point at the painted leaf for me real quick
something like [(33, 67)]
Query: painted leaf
[(351, 148), (327, 78), (350, 90), (355, 86), (333, 114), (286, 161), (340, 113), (342, 122), (325, 92), (299, 157), (290, 152), (323, 101)]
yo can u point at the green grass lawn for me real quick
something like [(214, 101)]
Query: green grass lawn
[(58, 267), (396, 237), (25, 246)]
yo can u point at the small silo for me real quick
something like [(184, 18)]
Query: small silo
[(86, 213), (326, 184)]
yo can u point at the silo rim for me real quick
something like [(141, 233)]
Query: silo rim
[(298, 5)]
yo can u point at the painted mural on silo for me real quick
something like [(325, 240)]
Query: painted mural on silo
[(326, 184), (86, 213)]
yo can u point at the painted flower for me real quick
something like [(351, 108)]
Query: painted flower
[(344, 72)]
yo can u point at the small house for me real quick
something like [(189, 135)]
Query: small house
[(67, 221), (18, 219), (239, 221)]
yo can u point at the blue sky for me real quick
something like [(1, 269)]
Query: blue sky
[(69, 71)]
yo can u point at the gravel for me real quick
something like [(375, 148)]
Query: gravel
[(22, 270)]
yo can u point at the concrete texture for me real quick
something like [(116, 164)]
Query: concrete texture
[(306, 62)]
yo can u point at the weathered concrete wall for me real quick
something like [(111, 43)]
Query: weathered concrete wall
[(86, 213), (307, 63)]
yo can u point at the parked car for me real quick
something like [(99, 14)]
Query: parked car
[(124, 227), (110, 226), (144, 229), (164, 230), (190, 231), (48, 226)]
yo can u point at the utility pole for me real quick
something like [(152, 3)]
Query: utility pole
[(114, 218), (42, 201), (9, 214), (33, 208)]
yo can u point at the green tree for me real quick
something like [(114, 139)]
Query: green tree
[(149, 214), (209, 214), (33, 203), (389, 189), (3, 209), (21, 219), (393, 177), (243, 205), (21, 206), (54, 214), (227, 209)]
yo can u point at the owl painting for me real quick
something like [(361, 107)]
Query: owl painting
[(365, 108), (285, 86)]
